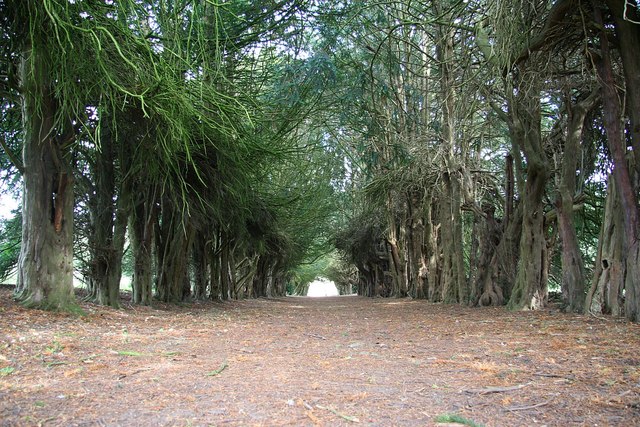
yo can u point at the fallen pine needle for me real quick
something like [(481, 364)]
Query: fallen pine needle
[(343, 416), (222, 367)]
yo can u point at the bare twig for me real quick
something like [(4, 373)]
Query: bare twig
[(545, 375), (316, 336), (488, 390), (343, 416), (524, 408)]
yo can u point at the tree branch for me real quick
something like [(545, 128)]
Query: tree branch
[(16, 162), (553, 23)]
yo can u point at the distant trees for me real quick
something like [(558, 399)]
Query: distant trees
[(167, 128), (454, 151), (480, 126)]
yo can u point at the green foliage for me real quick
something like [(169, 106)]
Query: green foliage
[(130, 353), (10, 237), (458, 419), (218, 371), (7, 370)]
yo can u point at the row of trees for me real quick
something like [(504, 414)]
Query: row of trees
[(461, 151), (483, 141), (176, 131)]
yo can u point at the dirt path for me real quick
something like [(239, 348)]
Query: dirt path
[(326, 361)]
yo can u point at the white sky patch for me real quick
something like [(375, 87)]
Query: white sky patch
[(322, 288), (7, 204)]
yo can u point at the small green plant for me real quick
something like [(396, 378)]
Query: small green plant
[(129, 353), (222, 367), (455, 418), (53, 348), (7, 371)]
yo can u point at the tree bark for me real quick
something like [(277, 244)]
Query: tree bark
[(530, 288), (432, 252), (173, 254), (200, 266), (109, 215), (626, 19), (225, 278), (45, 265), (453, 281), (605, 293), (490, 293), (622, 175), (454, 284), (418, 267), (573, 278), (141, 235)]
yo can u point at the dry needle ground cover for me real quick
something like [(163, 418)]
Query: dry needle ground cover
[(325, 361)]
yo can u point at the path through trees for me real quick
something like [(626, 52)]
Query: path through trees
[(315, 361)]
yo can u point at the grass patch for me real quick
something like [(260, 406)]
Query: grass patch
[(455, 418), (222, 367), (129, 353), (7, 371)]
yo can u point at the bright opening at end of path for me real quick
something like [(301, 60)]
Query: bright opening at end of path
[(322, 288)]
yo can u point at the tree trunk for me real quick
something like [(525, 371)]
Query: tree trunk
[(621, 170), (109, 220), (489, 290), (200, 267), (605, 293), (173, 254), (108, 284), (432, 252), (454, 286), (214, 269), (396, 253), (573, 280), (141, 230), (45, 265), (225, 279), (417, 262), (530, 289), (626, 18)]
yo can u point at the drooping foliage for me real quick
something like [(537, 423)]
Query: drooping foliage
[(178, 124)]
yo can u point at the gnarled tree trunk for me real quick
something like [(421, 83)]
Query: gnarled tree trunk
[(530, 287), (573, 280), (109, 215), (45, 265), (622, 173), (605, 293)]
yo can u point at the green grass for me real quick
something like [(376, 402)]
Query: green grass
[(130, 353), (219, 370), (455, 418), (7, 371)]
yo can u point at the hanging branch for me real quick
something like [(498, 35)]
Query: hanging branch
[(12, 157)]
